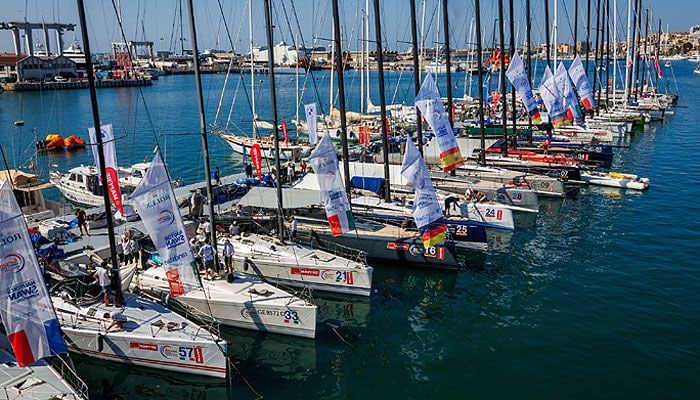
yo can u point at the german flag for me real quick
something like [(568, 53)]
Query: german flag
[(433, 234)]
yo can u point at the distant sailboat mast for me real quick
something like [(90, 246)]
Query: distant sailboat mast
[(252, 65)]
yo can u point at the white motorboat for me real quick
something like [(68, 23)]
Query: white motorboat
[(300, 266), (615, 179), (80, 186), (245, 302)]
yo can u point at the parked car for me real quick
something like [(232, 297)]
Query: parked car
[(59, 78)]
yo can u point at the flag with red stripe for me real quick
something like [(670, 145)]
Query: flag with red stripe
[(25, 305)]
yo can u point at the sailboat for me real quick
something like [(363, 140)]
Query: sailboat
[(134, 330), (33, 332), (242, 144)]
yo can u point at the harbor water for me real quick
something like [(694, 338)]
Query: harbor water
[(599, 299)]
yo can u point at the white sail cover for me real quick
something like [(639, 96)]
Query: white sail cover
[(110, 154), (324, 162), (426, 209), (156, 203), (429, 103), (311, 121), (25, 304)]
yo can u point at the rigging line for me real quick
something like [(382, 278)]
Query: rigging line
[(240, 76), (139, 88), (310, 73)]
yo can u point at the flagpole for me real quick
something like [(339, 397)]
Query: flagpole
[(340, 69), (119, 297), (658, 52), (480, 74), (416, 74), (588, 33)]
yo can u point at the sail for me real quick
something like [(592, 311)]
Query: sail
[(552, 99), (518, 78), (25, 304), (311, 121), (583, 86), (430, 105), (426, 208), (156, 203), (324, 162), (566, 88), (110, 154)]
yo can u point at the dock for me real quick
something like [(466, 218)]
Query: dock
[(82, 84)]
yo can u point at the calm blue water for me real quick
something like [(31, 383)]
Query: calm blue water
[(600, 300)]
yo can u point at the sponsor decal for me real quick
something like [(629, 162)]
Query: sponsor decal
[(12, 263), (174, 282), (23, 291), (143, 346), (175, 239), (155, 198), (338, 276), (183, 353), (9, 239), (305, 271), (397, 246), (175, 258), (166, 217), (24, 315)]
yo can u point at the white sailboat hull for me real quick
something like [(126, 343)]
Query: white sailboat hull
[(186, 348)]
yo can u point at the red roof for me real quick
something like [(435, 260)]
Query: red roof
[(11, 58)]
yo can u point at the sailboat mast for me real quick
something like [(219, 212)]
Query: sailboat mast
[(514, 115), (528, 33), (575, 28), (546, 31), (501, 75), (658, 52), (273, 101), (202, 122), (382, 100), (100, 151), (362, 66), (644, 62), (555, 29), (480, 75), (588, 34), (448, 60), (607, 54), (341, 94), (614, 49), (416, 73), (638, 36), (596, 60), (628, 56), (252, 65)]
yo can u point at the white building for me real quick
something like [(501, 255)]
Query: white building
[(285, 55)]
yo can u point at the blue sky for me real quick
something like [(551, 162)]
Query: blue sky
[(159, 20)]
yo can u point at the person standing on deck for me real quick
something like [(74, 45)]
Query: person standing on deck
[(228, 255), (103, 278), (82, 221), (249, 170), (217, 175), (207, 254)]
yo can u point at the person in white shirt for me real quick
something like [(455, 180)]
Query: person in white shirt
[(293, 228), (207, 254), (103, 278), (228, 255)]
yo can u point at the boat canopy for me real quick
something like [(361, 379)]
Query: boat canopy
[(23, 181), (264, 197)]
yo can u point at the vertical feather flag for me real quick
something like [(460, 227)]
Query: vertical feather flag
[(583, 86), (324, 162), (429, 103), (156, 203), (518, 78), (25, 304), (566, 88), (426, 208), (552, 99), (311, 120), (284, 132), (110, 154)]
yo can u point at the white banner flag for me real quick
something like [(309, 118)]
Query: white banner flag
[(110, 154), (25, 304), (324, 162), (311, 121), (157, 206)]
